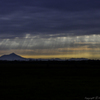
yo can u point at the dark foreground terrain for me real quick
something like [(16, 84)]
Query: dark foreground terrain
[(67, 80)]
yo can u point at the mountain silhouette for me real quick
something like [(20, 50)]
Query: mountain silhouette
[(12, 57)]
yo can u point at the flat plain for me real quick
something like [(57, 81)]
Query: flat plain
[(66, 80)]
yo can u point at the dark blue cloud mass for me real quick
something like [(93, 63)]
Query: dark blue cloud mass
[(37, 17)]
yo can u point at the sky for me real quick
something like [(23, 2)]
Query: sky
[(50, 28)]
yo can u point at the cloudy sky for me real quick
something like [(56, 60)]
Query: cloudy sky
[(50, 28)]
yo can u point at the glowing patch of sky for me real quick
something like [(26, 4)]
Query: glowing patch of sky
[(54, 46)]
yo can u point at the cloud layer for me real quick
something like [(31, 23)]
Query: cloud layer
[(71, 17)]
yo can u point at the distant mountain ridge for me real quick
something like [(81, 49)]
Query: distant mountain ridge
[(13, 57), (77, 59)]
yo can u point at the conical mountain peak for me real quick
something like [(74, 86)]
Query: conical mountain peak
[(12, 56)]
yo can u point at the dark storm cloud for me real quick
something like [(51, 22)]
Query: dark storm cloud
[(37, 17)]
